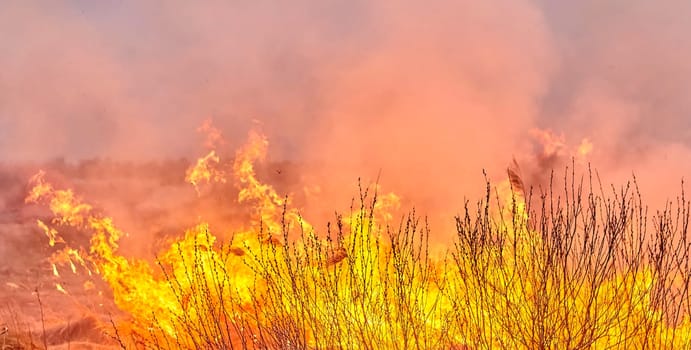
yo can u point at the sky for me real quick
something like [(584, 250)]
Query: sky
[(424, 94)]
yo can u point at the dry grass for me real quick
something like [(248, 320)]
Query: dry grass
[(578, 267), (85, 333), (585, 269), (16, 334)]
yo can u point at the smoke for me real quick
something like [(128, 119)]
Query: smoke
[(623, 83), (449, 90), (421, 96)]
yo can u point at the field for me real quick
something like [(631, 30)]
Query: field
[(107, 254)]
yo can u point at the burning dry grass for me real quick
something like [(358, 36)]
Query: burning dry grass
[(581, 272), (585, 268)]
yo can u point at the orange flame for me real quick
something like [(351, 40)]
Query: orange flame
[(252, 282), (205, 170)]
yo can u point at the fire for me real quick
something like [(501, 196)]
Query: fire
[(146, 293), (67, 208), (553, 144), (268, 205), (205, 171), (51, 233), (585, 148), (367, 283)]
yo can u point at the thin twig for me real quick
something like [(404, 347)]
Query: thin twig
[(43, 319)]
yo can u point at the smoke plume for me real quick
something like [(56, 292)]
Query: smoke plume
[(421, 96)]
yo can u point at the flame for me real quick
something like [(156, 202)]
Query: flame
[(67, 208), (267, 204), (51, 233), (205, 170), (584, 149), (382, 281), (553, 144), (71, 257), (137, 288)]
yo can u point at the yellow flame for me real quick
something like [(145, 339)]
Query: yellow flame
[(51, 233), (584, 149), (40, 188), (205, 171), (374, 279)]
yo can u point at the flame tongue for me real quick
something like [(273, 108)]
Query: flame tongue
[(262, 289), (191, 261), (205, 171)]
